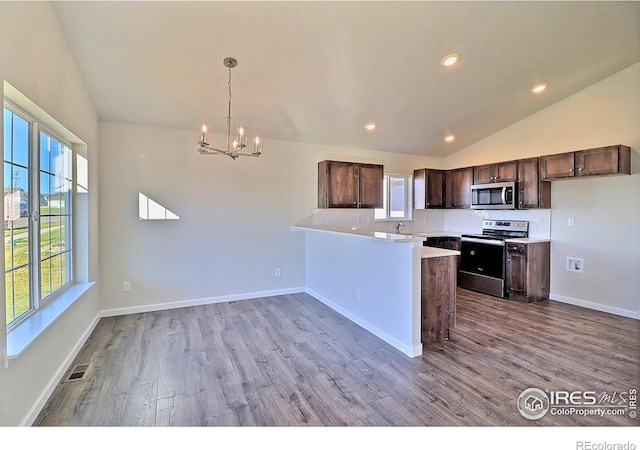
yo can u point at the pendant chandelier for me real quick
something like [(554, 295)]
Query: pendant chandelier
[(237, 144)]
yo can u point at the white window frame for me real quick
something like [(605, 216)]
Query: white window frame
[(384, 213), (36, 301), (21, 335)]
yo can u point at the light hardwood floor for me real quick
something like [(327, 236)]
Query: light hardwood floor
[(292, 361)]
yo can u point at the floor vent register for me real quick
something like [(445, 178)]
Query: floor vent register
[(79, 372)]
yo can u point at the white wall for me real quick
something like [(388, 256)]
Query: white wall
[(374, 283), (235, 216), (605, 210), (36, 60)]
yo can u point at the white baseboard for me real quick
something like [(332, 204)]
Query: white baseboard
[(197, 302), (596, 306), (53, 382), (409, 350)]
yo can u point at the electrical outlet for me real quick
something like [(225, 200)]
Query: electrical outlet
[(358, 294), (126, 286), (277, 272), (571, 222)]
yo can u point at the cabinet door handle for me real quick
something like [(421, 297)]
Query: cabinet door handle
[(570, 170), (581, 169)]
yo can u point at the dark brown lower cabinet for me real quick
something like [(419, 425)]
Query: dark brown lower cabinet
[(446, 242), (438, 298), (528, 271)]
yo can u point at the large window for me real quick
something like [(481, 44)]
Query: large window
[(37, 214), (396, 198)]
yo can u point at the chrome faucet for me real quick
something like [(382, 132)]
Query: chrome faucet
[(400, 224)]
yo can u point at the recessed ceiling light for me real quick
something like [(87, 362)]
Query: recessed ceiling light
[(539, 88), (370, 126), (449, 138), (450, 60)]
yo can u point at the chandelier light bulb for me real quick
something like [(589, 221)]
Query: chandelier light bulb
[(257, 144), (203, 136), (241, 135)]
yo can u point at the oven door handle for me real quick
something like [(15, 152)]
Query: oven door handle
[(483, 241), (504, 195)]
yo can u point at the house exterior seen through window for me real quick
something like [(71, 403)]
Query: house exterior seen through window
[(396, 198)]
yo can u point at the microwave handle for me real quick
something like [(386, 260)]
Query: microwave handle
[(504, 195)]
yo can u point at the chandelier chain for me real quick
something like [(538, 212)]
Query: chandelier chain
[(229, 86)]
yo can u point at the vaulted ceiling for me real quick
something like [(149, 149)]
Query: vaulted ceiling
[(316, 72)]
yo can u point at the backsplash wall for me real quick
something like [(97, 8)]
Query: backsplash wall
[(470, 220), (433, 220)]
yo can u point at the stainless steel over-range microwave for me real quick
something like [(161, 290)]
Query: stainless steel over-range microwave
[(494, 196)]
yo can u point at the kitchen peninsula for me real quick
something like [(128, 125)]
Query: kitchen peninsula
[(381, 282)]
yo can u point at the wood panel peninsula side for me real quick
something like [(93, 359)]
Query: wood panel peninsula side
[(438, 294)]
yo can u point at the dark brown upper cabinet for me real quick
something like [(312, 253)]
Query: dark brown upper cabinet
[(532, 191), (557, 166), (370, 185), (458, 187), (495, 173), (611, 160), (429, 189), (350, 185)]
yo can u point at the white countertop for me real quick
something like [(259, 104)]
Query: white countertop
[(402, 238), (378, 235), (433, 252), (437, 233), (459, 234), (527, 240)]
